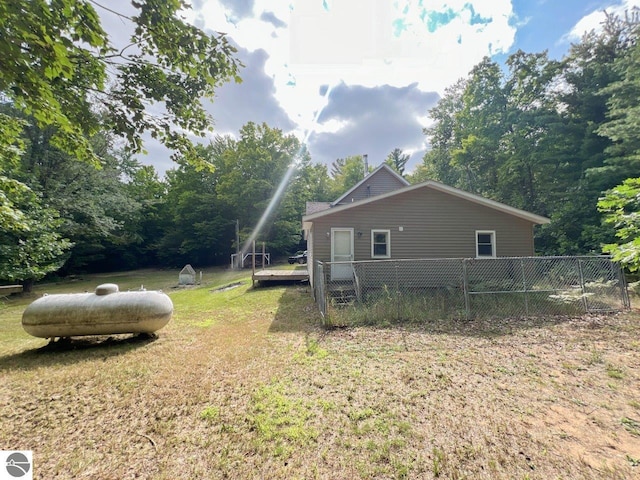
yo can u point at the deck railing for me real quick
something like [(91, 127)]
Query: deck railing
[(470, 288)]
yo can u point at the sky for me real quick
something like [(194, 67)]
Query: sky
[(354, 77)]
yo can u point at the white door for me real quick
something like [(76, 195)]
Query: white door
[(341, 251)]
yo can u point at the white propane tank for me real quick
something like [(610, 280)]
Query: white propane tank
[(105, 312)]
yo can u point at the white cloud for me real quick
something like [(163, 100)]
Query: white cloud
[(364, 42), (392, 53), (332, 126), (595, 19), (377, 42)]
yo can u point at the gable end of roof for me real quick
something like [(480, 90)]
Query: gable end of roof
[(531, 217), (367, 178)]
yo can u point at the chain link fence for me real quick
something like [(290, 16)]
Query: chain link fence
[(385, 290)]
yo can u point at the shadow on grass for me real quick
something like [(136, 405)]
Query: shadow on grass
[(73, 350), (297, 311), (481, 328)]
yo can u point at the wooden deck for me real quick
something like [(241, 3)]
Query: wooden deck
[(280, 276)]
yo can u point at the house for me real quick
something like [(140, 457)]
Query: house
[(384, 217)]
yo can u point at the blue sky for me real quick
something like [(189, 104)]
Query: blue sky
[(359, 76), (547, 24)]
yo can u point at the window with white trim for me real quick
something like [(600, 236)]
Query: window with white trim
[(380, 243), (485, 243)]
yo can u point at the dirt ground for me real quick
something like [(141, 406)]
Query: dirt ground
[(256, 388)]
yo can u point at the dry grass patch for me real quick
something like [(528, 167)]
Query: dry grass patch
[(494, 406), (243, 383)]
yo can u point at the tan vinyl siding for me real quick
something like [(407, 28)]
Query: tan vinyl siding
[(310, 257), (435, 225), (382, 182)]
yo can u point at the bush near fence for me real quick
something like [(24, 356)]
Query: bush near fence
[(385, 291)]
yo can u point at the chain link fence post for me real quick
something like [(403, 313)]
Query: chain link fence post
[(624, 291), (524, 288), (465, 289), (582, 287), (397, 292)]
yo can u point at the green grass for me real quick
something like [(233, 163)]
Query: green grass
[(631, 426), (614, 371), (281, 419), (210, 414)]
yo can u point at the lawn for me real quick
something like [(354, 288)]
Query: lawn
[(245, 383)]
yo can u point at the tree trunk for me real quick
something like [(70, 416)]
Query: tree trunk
[(27, 285)]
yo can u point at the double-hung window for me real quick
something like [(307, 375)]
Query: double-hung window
[(485, 244), (380, 243)]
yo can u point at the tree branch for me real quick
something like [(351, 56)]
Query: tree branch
[(111, 11)]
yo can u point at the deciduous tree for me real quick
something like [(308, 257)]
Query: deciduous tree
[(621, 206), (58, 64), (30, 245), (345, 173)]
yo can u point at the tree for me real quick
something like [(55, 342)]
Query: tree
[(262, 165), (345, 173), (582, 99), (621, 206), (397, 160), (480, 126), (317, 183), (622, 125), (11, 148), (465, 138), (93, 204), (534, 135), (197, 225), (30, 246), (436, 163), (57, 63), (143, 227), (530, 154)]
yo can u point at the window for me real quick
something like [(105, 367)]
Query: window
[(485, 243), (380, 243)]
